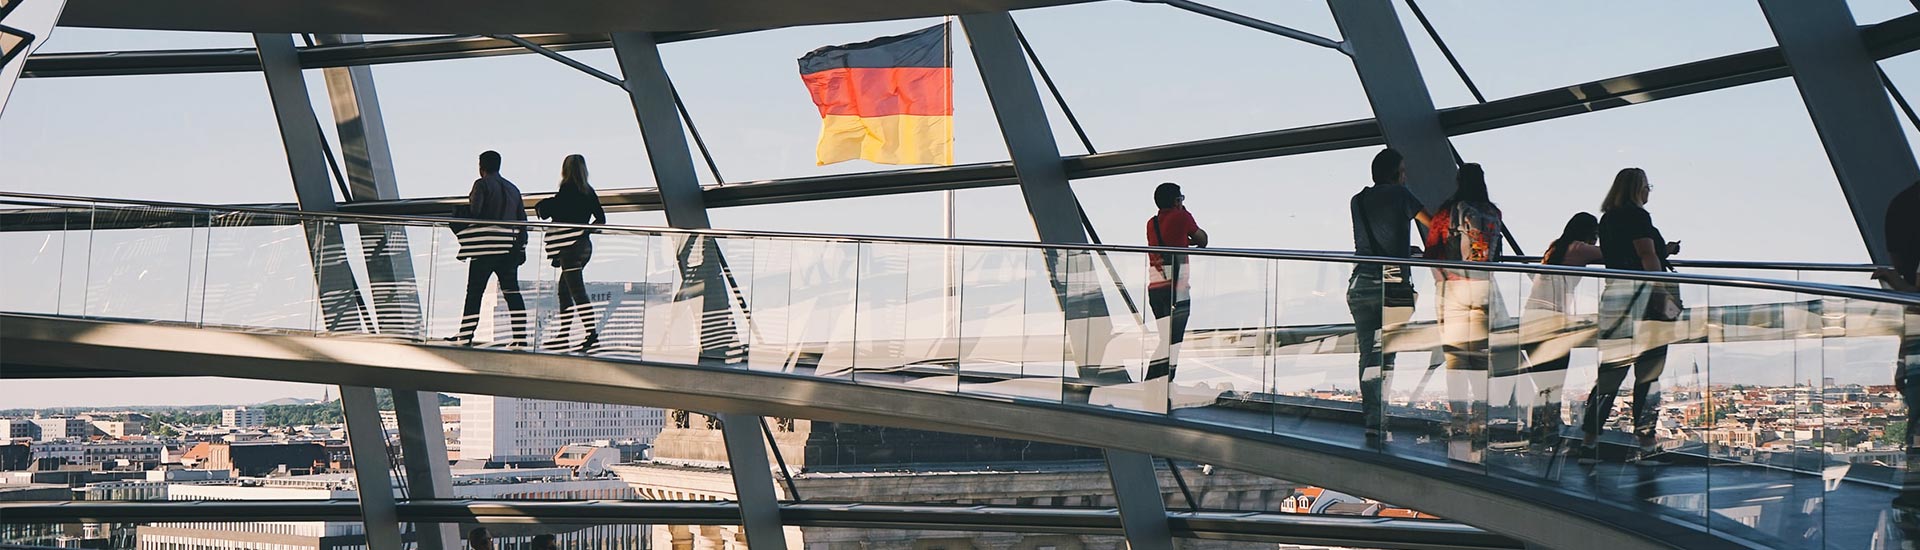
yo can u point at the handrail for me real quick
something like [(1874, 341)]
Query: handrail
[(1840, 291), (1740, 264)]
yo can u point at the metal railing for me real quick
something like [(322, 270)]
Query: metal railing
[(1758, 398)]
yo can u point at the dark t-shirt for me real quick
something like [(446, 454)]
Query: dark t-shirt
[(1903, 233), (1388, 208), (1619, 228)]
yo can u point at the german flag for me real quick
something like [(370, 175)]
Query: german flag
[(888, 100)]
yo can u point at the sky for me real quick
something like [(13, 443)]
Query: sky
[(1739, 172)]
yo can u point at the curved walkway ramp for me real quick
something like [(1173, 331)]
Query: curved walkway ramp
[(1252, 367)]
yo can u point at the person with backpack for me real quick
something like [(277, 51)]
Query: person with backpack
[(1634, 315), (1167, 285), (1545, 329), (1466, 228), (1381, 296)]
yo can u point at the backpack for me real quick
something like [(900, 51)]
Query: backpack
[(1464, 232)]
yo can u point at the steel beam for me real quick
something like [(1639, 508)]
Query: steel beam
[(371, 470), (1401, 105), (666, 140), (299, 130), (362, 131), (752, 479), (396, 298), (1134, 483), (339, 295), (1840, 84), (423, 448), (1056, 219), (1023, 123), (702, 271)]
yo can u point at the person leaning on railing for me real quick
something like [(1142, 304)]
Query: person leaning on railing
[(1168, 290), (1635, 316), (1381, 297), (1467, 228), (1544, 329)]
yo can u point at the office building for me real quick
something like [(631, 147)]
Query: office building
[(243, 417), (508, 430)]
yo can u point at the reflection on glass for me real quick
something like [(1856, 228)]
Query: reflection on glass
[(1752, 409)]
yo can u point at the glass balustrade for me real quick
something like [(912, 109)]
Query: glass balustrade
[(1765, 409)]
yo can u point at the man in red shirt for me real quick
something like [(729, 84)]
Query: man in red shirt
[(1167, 288)]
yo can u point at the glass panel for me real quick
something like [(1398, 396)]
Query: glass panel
[(436, 139), (1532, 165), (1220, 309), (57, 130), (1317, 359), (824, 288), (142, 269), (618, 296), (769, 296), (1523, 47), (880, 316), (1202, 94), (909, 215), (38, 243), (1867, 12), (1795, 430), (1755, 355), (82, 39), (993, 305), (1417, 388), (1240, 204), (259, 273), (758, 120)]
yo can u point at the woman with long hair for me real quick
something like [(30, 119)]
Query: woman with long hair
[(1634, 315), (1544, 328), (570, 249), (1467, 228)]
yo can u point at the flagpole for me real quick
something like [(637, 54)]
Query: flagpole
[(948, 220)]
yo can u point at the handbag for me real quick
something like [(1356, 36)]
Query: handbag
[(1396, 289), (1663, 302)]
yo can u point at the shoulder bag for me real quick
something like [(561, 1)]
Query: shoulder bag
[(1396, 288)]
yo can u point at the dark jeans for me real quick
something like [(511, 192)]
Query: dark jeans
[(1164, 305), (574, 302), (1646, 392), (506, 268), (1366, 303), (1623, 305)]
